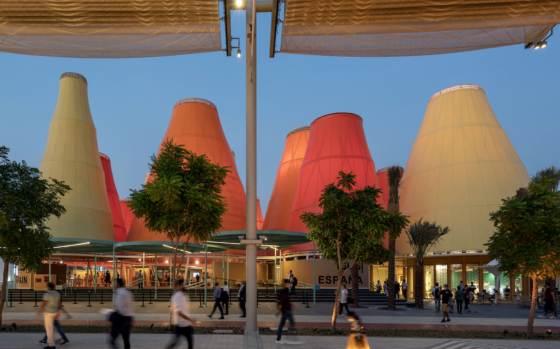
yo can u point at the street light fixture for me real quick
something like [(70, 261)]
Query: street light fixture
[(237, 47)]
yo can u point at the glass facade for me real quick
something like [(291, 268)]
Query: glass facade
[(505, 287), (441, 274), (488, 281), (518, 285), (472, 276), (456, 275), (428, 280)]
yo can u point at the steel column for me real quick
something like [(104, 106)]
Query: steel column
[(95, 273), (156, 277), (205, 275), (143, 267), (314, 254)]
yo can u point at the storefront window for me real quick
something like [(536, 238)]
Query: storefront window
[(488, 281), (456, 275), (441, 274), (472, 276), (428, 280), (518, 288), (505, 287)]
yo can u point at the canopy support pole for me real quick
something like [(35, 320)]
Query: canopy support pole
[(49, 269), (314, 255), (275, 269), (143, 267), (228, 267), (206, 275), (114, 270), (95, 273), (156, 279)]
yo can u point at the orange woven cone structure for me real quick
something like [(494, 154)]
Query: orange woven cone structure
[(287, 177), (336, 143), (127, 214), (118, 222), (195, 124), (462, 164), (259, 214)]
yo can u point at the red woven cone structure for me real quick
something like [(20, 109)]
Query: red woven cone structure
[(195, 124), (260, 219), (127, 213), (336, 143), (118, 222), (287, 177)]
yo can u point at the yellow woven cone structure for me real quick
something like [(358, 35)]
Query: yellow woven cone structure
[(461, 166), (72, 156)]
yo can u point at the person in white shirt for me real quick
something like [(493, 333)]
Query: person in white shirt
[(123, 319), (180, 316), (225, 297), (289, 276), (462, 285), (51, 307), (343, 300), (405, 289)]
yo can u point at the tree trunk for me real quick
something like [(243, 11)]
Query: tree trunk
[(391, 281), (533, 306), (419, 285), (336, 301), (4, 288), (355, 285)]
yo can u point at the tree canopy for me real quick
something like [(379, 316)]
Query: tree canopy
[(27, 202), (183, 198), (351, 227), (527, 236)]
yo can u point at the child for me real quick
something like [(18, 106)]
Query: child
[(451, 303)]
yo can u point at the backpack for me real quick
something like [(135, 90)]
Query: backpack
[(437, 292), (295, 281)]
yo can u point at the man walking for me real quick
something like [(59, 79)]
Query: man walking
[(242, 296), (436, 291), (446, 295), (405, 289), (294, 284), (123, 318), (459, 295), (180, 316), (284, 308), (57, 325), (386, 288), (462, 285), (397, 289), (107, 278), (51, 308), (225, 297), (549, 300), (343, 301), (217, 299)]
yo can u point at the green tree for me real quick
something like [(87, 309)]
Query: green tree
[(27, 202), (351, 227), (527, 237), (394, 176), (183, 200), (422, 236)]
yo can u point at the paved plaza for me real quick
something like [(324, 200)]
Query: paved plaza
[(156, 341)]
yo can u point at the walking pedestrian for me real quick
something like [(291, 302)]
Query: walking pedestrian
[(217, 299), (242, 296), (140, 280), (378, 286), (225, 297), (51, 308), (405, 289), (58, 327), (467, 299), (385, 288), (436, 292), (549, 299), (459, 299), (294, 284), (343, 301), (284, 308), (122, 318), (462, 285), (180, 316), (289, 276), (446, 296), (107, 278), (397, 289)]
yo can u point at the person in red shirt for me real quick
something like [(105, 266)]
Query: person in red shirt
[(284, 308), (549, 299)]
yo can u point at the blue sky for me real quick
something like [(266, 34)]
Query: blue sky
[(131, 100)]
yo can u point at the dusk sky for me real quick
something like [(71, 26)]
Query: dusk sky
[(131, 100)]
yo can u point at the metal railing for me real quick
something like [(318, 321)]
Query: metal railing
[(134, 283)]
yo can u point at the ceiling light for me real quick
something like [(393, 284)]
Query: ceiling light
[(239, 3), (543, 44), (238, 53), (196, 262)]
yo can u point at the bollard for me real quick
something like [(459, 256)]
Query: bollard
[(266, 290), (200, 300), (89, 299), (150, 297), (11, 296), (101, 297), (307, 297), (169, 306), (303, 299), (75, 298), (142, 300), (258, 305), (20, 301), (35, 306)]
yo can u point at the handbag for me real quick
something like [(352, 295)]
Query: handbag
[(114, 317)]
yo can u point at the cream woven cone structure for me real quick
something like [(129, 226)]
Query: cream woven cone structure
[(461, 166), (72, 156)]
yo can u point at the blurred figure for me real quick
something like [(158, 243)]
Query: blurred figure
[(180, 316), (284, 308), (405, 289), (122, 320), (225, 297), (357, 338), (242, 296), (51, 308), (217, 299)]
